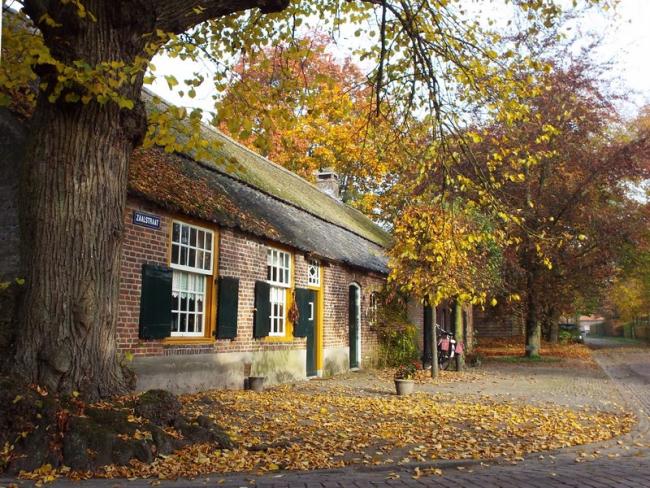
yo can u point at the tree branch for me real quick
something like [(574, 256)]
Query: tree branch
[(178, 16)]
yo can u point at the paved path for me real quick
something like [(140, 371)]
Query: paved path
[(625, 462)]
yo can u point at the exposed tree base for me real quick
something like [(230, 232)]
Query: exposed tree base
[(43, 429)]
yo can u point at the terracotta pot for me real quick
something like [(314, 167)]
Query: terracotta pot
[(404, 387), (256, 383)]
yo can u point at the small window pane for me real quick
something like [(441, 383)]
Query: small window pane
[(190, 323), (183, 324), (188, 292), (191, 247)]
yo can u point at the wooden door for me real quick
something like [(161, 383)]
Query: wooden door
[(354, 317)]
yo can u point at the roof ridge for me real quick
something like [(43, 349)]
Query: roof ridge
[(211, 167), (241, 146), (294, 175)]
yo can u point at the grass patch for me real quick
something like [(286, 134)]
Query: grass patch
[(619, 340), (526, 360), (490, 347)]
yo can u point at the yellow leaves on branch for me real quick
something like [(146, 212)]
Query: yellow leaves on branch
[(443, 252)]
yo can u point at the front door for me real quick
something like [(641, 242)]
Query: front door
[(307, 313), (311, 333), (354, 317)]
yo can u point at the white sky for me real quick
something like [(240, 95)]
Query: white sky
[(626, 43)]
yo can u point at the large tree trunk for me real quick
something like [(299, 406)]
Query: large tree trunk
[(73, 195), (554, 326), (73, 198), (74, 188), (533, 328)]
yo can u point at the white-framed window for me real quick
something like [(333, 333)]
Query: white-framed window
[(278, 267), (313, 272), (278, 310), (372, 308), (191, 248), (188, 303), (191, 261), (278, 274)]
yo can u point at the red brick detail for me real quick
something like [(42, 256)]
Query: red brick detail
[(242, 256), (140, 245)]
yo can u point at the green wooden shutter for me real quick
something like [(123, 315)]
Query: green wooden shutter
[(156, 302), (228, 306), (303, 297), (262, 321)]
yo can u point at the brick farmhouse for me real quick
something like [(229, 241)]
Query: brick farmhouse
[(232, 266)]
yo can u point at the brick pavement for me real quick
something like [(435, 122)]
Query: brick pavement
[(617, 463)]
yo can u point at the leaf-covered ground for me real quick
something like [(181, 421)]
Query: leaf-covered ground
[(515, 346), (296, 429)]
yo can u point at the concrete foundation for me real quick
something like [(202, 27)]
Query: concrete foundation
[(336, 360), (197, 372)]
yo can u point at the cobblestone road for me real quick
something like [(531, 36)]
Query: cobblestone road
[(624, 462)]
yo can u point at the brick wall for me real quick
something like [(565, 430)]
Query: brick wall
[(493, 322), (242, 256), (140, 245), (337, 280)]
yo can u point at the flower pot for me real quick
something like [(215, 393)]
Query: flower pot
[(256, 383), (404, 387)]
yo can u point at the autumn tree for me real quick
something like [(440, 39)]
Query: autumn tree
[(302, 108), (573, 207), (90, 60)]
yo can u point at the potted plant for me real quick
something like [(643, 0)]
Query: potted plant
[(404, 379)]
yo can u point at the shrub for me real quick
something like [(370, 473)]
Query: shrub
[(397, 336)]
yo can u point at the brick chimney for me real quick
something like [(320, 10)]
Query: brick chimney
[(327, 181)]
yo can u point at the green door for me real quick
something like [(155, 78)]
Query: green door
[(306, 327), (353, 320)]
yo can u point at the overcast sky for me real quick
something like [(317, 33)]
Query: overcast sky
[(626, 43)]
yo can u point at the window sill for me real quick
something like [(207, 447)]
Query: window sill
[(175, 341), (278, 339)]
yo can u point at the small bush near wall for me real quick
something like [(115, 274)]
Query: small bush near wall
[(397, 336)]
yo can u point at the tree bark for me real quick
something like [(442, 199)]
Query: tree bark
[(434, 345), (73, 198), (554, 326), (460, 333), (73, 194), (533, 329)]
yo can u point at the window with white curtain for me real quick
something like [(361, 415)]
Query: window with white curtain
[(191, 261), (278, 274)]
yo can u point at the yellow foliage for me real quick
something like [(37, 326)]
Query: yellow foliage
[(285, 428)]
